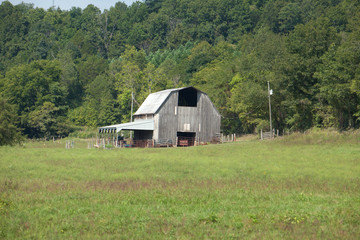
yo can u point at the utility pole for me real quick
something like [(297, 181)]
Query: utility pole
[(270, 93), (54, 4), (132, 107)]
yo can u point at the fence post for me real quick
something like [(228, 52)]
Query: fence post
[(261, 134)]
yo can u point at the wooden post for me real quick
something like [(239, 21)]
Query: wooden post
[(261, 134), (117, 141), (269, 94)]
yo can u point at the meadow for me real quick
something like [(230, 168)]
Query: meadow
[(297, 187)]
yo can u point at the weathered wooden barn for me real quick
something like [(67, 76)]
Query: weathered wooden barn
[(181, 116)]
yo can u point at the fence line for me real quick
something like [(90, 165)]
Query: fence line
[(271, 135), (228, 138), (113, 141)]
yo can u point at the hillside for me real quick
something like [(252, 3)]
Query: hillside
[(63, 69)]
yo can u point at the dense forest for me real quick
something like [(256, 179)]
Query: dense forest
[(63, 69)]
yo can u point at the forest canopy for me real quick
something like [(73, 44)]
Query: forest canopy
[(61, 69)]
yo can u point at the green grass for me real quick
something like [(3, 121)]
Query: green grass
[(300, 187)]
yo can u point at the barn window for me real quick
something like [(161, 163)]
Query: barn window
[(188, 97)]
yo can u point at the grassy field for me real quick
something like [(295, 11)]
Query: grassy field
[(299, 187)]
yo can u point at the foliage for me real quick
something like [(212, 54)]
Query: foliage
[(9, 132), (87, 63)]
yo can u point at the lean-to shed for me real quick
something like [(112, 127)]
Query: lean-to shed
[(184, 114)]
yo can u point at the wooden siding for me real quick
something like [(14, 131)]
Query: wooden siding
[(188, 119), (167, 120), (209, 119), (143, 116), (156, 127)]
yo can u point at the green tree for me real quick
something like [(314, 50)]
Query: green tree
[(258, 61), (69, 78), (30, 86), (89, 68), (99, 107), (249, 101), (43, 120), (9, 132), (130, 79), (339, 80), (306, 45)]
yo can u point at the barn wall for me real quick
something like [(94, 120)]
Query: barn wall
[(188, 119), (204, 119), (209, 119), (156, 127), (167, 120)]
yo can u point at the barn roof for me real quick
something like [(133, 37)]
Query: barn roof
[(137, 125), (154, 101)]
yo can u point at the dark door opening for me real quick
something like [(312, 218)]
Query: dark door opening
[(143, 138), (143, 134), (186, 139)]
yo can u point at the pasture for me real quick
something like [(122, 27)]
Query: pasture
[(299, 187)]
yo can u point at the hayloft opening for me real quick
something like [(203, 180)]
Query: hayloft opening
[(188, 97)]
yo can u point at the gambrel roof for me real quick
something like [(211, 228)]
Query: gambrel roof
[(155, 100)]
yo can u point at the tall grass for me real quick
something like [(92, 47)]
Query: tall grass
[(299, 187)]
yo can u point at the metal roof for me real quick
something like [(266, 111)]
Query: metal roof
[(154, 101), (137, 125)]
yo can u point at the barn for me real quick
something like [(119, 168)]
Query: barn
[(180, 116)]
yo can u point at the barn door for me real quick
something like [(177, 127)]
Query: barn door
[(186, 139)]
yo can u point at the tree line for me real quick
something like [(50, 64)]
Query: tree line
[(63, 69)]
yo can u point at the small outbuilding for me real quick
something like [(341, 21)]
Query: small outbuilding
[(180, 116)]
